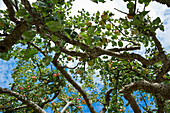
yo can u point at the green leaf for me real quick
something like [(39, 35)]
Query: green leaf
[(29, 53), (54, 38), (40, 4), (53, 25), (161, 27), (120, 43), (28, 35), (68, 30), (102, 1), (96, 1), (47, 60), (73, 34), (130, 5), (157, 21), (6, 56), (91, 30), (55, 1), (143, 13)]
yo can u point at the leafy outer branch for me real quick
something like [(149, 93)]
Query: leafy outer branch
[(69, 78), (30, 103), (98, 52)]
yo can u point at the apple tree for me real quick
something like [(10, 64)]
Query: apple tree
[(67, 62)]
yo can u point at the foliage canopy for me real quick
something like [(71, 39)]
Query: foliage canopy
[(65, 62)]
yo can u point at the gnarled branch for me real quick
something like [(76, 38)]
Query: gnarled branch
[(29, 103)]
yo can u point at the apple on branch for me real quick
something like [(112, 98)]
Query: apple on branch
[(117, 32), (101, 22), (20, 88), (54, 75), (79, 72), (89, 23), (52, 103), (1, 106), (90, 63), (69, 58)]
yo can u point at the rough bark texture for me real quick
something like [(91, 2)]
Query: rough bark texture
[(159, 90), (13, 37)]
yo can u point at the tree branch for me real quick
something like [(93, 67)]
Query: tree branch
[(162, 90), (10, 10), (16, 108), (155, 88), (13, 37), (30, 103), (28, 7), (49, 100), (124, 49), (69, 78), (132, 102), (66, 106), (107, 99), (96, 51)]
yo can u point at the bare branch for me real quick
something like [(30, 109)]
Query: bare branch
[(132, 102), (72, 67), (155, 88), (160, 103), (17, 108), (107, 99), (66, 106), (120, 11), (124, 49)]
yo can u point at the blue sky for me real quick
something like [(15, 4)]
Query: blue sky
[(155, 10)]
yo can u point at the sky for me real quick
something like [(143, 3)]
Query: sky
[(156, 10)]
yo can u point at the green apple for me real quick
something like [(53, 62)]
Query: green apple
[(99, 44), (83, 29), (104, 17), (80, 59), (8, 104), (104, 40), (108, 26), (101, 22), (1, 106), (135, 31), (90, 63)]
